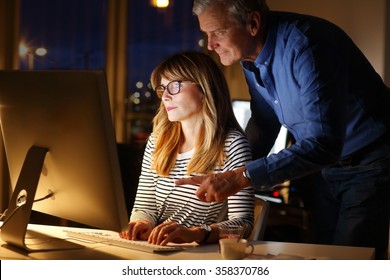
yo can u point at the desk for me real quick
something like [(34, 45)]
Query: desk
[(262, 250)]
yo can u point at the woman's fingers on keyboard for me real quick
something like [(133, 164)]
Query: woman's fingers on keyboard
[(138, 230), (161, 232)]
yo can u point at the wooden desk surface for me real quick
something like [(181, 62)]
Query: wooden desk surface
[(263, 250)]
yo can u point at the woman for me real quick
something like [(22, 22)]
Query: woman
[(194, 132)]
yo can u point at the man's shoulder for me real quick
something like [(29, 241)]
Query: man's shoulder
[(294, 17), (297, 20)]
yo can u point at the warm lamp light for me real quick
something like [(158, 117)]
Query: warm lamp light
[(160, 3)]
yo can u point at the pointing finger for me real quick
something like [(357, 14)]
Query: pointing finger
[(194, 180)]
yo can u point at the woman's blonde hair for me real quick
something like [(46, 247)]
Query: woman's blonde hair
[(217, 109)]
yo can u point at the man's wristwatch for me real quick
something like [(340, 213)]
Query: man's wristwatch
[(208, 230)]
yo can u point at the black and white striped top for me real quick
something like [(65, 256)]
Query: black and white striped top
[(159, 200)]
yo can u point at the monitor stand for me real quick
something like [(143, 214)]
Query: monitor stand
[(14, 228)]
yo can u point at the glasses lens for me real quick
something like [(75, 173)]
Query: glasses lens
[(174, 87), (160, 90)]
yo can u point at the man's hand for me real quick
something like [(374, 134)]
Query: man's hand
[(217, 187)]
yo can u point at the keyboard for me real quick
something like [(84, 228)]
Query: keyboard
[(115, 240)]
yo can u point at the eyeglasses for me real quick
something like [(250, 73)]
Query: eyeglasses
[(172, 87)]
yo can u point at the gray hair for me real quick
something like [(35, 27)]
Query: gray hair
[(238, 10)]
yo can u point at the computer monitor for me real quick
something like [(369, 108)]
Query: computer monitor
[(242, 112), (61, 151)]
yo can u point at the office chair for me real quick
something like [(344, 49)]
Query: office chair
[(261, 214)]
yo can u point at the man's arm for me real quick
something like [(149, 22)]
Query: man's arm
[(218, 187)]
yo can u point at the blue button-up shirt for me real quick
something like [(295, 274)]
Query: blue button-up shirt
[(311, 78)]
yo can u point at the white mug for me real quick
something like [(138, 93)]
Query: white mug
[(233, 250)]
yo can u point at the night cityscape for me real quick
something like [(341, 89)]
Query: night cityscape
[(71, 34)]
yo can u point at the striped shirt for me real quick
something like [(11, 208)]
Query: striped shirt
[(158, 199)]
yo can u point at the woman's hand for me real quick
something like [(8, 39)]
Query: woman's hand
[(138, 230), (173, 232)]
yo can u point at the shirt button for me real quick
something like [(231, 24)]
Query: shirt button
[(276, 102)]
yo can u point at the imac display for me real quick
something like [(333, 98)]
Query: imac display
[(242, 112), (61, 151)]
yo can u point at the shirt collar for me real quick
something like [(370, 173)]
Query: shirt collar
[(265, 55)]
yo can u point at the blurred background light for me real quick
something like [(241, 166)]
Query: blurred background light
[(160, 3)]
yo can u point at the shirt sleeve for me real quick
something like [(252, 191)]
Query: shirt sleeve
[(240, 205), (145, 207)]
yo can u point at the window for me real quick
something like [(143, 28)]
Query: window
[(62, 34), (154, 33), (71, 34)]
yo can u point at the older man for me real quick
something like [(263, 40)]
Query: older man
[(306, 74)]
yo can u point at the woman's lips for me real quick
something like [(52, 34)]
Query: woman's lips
[(169, 108)]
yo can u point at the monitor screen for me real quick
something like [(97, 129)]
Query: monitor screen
[(58, 124), (242, 112)]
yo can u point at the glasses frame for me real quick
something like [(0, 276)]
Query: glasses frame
[(160, 89)]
